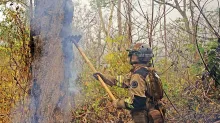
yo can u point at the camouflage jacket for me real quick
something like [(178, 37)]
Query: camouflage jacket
[(136, 83), (214, 64)]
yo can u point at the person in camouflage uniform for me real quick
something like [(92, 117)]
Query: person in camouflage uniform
[(214, 64), (143, 105)]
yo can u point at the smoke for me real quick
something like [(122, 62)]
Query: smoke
[(54, 69), (68, 31)]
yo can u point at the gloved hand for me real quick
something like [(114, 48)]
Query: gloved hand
[(97, 74), (119, 103)]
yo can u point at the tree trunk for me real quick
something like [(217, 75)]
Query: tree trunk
[(151, 26), (119, 18), (119, 25), (165, 32), (52, 58), (219, 19), (165, 39), (101, 18), (193, 35), (129, 21)]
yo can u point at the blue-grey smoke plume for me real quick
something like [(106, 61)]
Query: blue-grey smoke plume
[(51, 97), (54, 72)]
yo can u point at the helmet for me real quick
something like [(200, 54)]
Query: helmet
[(142, 52)]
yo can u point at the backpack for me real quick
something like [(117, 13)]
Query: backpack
[(154, 91), (154, 88)]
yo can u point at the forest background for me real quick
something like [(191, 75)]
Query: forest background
[(181, 39)]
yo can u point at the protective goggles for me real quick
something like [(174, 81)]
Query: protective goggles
[(137, 53), (133, 52)]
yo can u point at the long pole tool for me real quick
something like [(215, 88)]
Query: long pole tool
[(94, 70)]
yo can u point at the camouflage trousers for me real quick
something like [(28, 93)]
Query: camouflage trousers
[(143, 116)]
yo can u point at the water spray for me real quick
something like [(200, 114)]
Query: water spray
[(75, 40)]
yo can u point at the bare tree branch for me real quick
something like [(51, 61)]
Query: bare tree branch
[(160, 2)]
